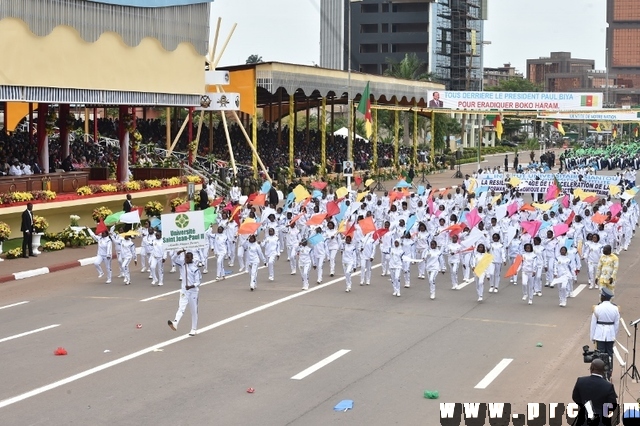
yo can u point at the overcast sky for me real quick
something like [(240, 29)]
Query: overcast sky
[(289, 30)]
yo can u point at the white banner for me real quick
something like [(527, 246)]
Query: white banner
[(518, 101), (538, 183), (591, 117), (183, 230), (216, 78), (219, 102)]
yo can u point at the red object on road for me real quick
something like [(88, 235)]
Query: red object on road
[(60, 351), (251, 390), (138, 325)]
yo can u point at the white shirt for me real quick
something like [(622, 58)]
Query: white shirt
[(254, 254), (157, 249), (190, 272)]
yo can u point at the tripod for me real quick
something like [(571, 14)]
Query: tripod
[(379, 186), (632, 371), (423, 178), (458, 173)]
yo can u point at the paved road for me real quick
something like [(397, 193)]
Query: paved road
[(397, 348)]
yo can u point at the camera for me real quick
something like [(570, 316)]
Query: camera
[(588, 356)]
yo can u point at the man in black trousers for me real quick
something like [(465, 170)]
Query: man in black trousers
[(27, 231), (126, 207), (598, 391)]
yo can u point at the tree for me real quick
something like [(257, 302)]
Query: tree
[(254, 59), (514, 84), (410, 68)]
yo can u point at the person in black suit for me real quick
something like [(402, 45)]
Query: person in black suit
[(27, 231), (204, 198), (599, 391), (126, 207), (435, 102)]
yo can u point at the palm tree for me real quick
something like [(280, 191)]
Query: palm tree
[(410, 68)]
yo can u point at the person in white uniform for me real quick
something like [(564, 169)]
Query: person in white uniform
[(128, 253), (158, 257), (189, 290), (105, 247), (604, 324), (254, 255), (305, 261), (271, 246)]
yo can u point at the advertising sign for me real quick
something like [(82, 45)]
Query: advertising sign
[(183, 230), (538, 183), (516, 101), (594, 116)]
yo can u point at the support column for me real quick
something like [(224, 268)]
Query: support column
[(254, 132), (191, 152), (415, 133), (307, 123), (122, 169), (374, 137), (291, 136), (63, 116), (30, 123), (43, 138), (168, 129), (432, 151), (95, 125), (322, 124), (210, 132), (86, 125), (134, 146), (396, 137)]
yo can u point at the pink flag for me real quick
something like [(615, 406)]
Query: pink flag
[(615, 209), (512, 208), (565, 201), (430, 202), (552, 192), (560, 229), (472, 218), (531, 227)]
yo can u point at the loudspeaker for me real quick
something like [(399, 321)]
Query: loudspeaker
[(458, 155)]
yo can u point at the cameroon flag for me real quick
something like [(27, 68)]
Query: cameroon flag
[(496, 121), (364, 107), (588, 100), (558, 125)]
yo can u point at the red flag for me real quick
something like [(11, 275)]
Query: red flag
[(332, 208), (367, 225), (258, 200), (316, 219), (570, 218), (351, 229), (319, 185), (101, 227), (184, 207), (217, 201), (357, 180), (598, 218), (513, 269), (248, 228), (295, 218), (140, 210), (379, 233)]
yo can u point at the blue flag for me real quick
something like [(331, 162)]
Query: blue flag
[(315, 239)]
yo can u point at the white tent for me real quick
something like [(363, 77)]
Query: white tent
[(345, 132)]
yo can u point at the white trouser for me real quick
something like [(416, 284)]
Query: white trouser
[(107, 265), (453, 267), (563, 289), (348, 269), (119, 257), (494, 280), (144, 256), (291, 254), (591, 272), (241, 261), (365, 273), (466, 267), (480, 284), (332, 261), (304, 271), (125, 268), (513, 278), (231, 252), (190, 297), (157, 270), (422, 266), (406, 268), (253, 271), (385, 263), (528, 284), (537, 284), (271, 260), (220, 265), (395, 278), (319, 267), (432, 281), (549, 263)]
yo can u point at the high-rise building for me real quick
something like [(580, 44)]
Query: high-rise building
[(447, 36), (623, 52), (494, 76), (560, 72)]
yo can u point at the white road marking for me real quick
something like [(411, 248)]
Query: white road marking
[(15, 304), (154, 348), (577, 291), (203, 284), (493, 373), (464, 284), (318, 365), (26, 333)]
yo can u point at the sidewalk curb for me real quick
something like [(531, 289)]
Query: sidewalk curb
[(46, 270)]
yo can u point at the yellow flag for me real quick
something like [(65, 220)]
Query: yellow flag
[(362, 195), (369, 182), (343, 226), (579, 248), (614, 189), (472, 185), (496, 198), (514, 181), (248, 220), (483, 264), (342, 192), (301, 193), (544, 207)]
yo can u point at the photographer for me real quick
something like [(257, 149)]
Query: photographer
[(597, 391), (604, 324)]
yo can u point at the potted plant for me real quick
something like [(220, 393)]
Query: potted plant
[(101, 213), (40, 225), (5, 232), (153, 209)]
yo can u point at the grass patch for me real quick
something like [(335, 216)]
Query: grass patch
[(17, 243)]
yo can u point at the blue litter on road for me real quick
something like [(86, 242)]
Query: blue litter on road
[(344, 405), (228, 272)]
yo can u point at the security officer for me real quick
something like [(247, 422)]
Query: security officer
[(604, 324)]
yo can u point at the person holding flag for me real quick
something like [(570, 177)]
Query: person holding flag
[(303, 254)]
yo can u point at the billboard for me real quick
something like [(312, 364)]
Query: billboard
[(595, 116), (183, 230), (515, 101)]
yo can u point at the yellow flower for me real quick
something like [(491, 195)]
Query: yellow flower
[(100, 213), (173, 181), (53, 246), (5, 231), (132, 186), (193, 178), (177, 201), (153, 208), (40, 224), (153, 183), (108, 188), (84, 190)]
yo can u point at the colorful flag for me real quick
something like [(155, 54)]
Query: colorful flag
[(635, 131), (558, 126), (248, 228), (588, 100), (484, 262), (101, 227), (614, 132), (364, 107), (367, 225), (596, 126), (300, 193), (316, 219), (513, 269)]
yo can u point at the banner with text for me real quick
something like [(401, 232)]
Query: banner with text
[(183, 230), (590, 117), (518, 101), (538, 183)]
